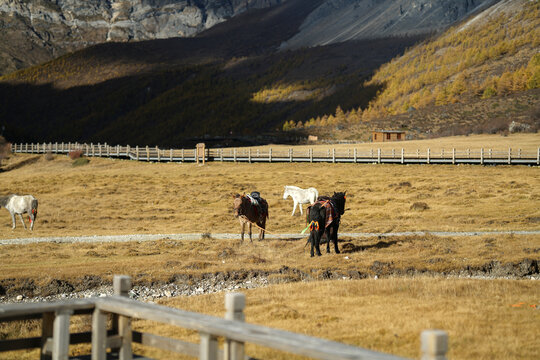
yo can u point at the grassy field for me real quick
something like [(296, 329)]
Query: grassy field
[(124, 197), (385, 315), (418, 286)]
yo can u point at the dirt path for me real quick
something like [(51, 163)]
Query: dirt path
[(198, 236)]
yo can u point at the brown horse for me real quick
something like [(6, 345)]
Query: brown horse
[(251, 209)]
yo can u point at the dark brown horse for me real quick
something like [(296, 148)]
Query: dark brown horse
[(251, 209), (324, 217)]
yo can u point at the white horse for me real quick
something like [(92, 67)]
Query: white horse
[(300, 196), (20, 204)]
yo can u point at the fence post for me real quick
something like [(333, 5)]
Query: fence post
[(482, 156), (519, 153), (137, 152), (158, 154), (182, 155), (311, 155), (46, 333), (234, 154), (170, 155), (235, 304), (60, 349), (121, 286), (334, 155), (249, 156), (453, 156), (402, 156), (290, 154), (434, 344), (208, 348), (355, 155), (538, 157), (99, 335), (378, 155), (270, 155), (147, 153), (428, 154), (509, 156), (221, 154)]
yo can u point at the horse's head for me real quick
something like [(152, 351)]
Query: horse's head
[(238, 207), (339, 199), (285, 193)]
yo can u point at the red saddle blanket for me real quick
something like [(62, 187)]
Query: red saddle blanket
[(331, 212)]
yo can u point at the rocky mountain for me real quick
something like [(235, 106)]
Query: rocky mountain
[(36, 31), (344, 20)]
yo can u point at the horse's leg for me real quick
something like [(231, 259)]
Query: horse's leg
[(250, 239), (318, 235), (300, 205), (243, 229), (294, 207), (13, 220), (311, 240), (335, 238), (328, 237), (32, 219), (22, 220)]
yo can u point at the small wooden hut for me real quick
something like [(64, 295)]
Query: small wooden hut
[(387, 135)]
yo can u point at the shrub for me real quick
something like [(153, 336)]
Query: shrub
[(75, 154), (489, 92), (49, 156), (420, 206), (80, 162)]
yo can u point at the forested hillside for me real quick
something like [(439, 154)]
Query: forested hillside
[(231, 84), (480, 71)]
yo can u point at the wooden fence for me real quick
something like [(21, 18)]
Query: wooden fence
[(379, 156), (56, 337)]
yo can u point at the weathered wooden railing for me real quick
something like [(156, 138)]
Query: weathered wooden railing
[(480, 156), (55, 334)]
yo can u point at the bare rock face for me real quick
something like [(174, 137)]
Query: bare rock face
[(33, 31), (342, 20)]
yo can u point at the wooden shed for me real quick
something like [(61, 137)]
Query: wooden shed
[(387, 135)]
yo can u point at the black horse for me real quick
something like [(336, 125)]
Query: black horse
[(323, 218)]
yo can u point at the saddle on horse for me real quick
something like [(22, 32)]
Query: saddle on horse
[(260, 204)]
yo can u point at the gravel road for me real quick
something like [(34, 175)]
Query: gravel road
[(198, 236)]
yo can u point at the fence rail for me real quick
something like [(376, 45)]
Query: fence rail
[(453, 156), (55, 338)]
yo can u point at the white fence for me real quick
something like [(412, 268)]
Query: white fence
[(56, 337), (454, 156)]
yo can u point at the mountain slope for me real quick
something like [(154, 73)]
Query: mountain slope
[(227, 80), (36, 31), (478, 76), (345, 20)]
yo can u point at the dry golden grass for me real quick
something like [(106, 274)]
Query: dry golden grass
[(384, 315), (529, 142), (161, 260), (124, 197)]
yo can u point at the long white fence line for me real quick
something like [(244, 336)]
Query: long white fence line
[(452, 156), (56, 337)]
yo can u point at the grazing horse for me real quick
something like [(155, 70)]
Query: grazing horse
[(323, 218), (300, 196), (20, 204), (251, 209)]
